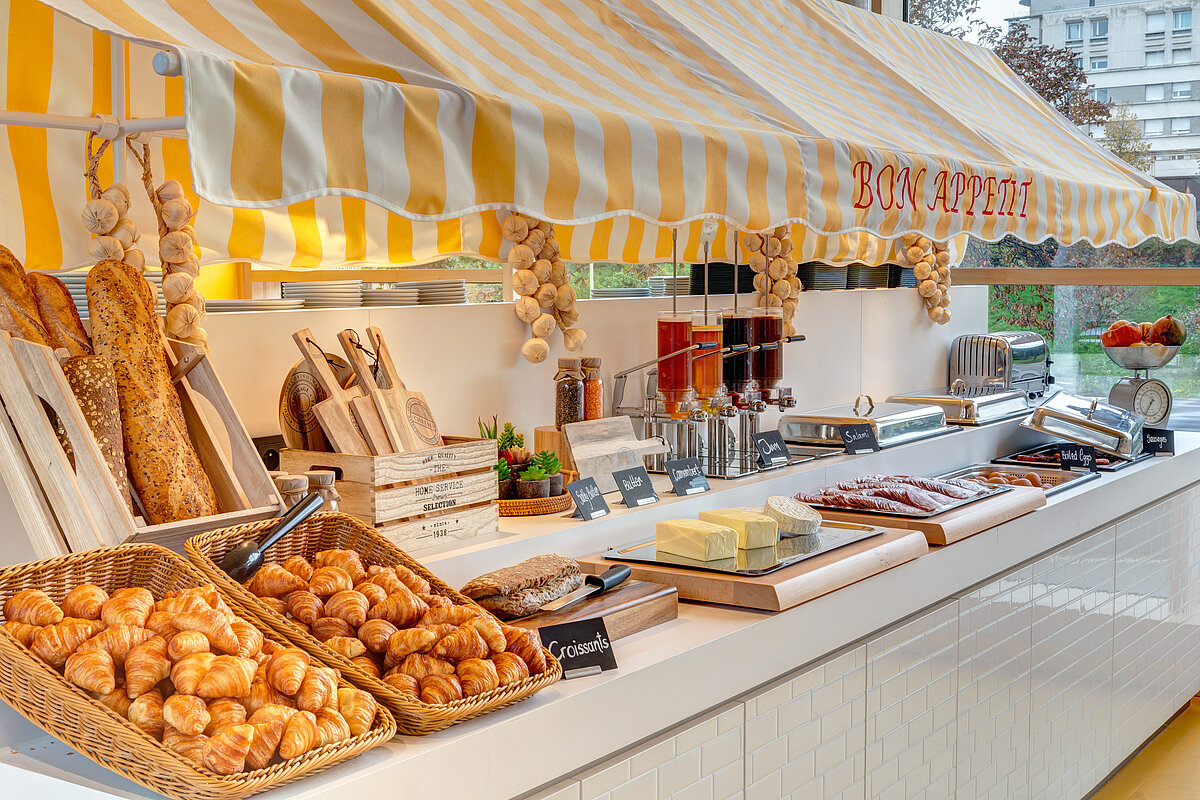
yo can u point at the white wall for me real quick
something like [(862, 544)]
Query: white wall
[(466, 359)]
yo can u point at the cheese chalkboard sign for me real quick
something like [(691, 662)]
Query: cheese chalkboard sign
[(687, 476)]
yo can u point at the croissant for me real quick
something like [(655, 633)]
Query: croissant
[(225, 753), (250, 638), (275, 604), (213, 624), (385, 578), (118, 640), (463, 643), (33, 607), (348, 605), (477, 676), (436, 600), (405, 642), (299, 735), (403, 683), (375, 633), (223, 712), (439, 689), (84, 601), (455, 615), (190, 670), (510, 668), (229, 676), (273, 580), (305, 606), (328, 627), (319, 689), (412, 580), (186, 714), (372, 591), (328, 581), (420, 666), (489, 628), (261, 695), (190, 748), (346, 646), (179, 603), (442, 629), (162, 623), (130, 606), (357, 708), (268, 723), (527, 645), (54, 643), (185, 643), (348, 560), (92, 670), (298, 566), (367, 664), (147, 713), (23, 632), (402, 608), (286, 670), (331, 727), (146, 665)]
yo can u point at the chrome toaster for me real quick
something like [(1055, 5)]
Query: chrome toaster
[(1005, 360)]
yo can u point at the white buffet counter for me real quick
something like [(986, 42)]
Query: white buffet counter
[(1003, 661)]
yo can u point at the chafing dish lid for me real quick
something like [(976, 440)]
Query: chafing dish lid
[(1109, 429), (891, 421), (970, 402)]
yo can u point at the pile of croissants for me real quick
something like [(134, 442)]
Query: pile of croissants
[(931, 267), (191, 674), (391, 623), (546, 299), (776, 273)]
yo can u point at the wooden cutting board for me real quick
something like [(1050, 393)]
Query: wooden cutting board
[(959, 523), (300, 392), (632, 607), (370, 411), (600, 447), (415, 423), (789, 586), (333, 412)]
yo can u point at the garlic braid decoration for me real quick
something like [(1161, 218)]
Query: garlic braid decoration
[(776, 273), (547, 300), (104, 216), (931, 267)]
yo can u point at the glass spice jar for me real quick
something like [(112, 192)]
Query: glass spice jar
[(568, 392), (593, 389)]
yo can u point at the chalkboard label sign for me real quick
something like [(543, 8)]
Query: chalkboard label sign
[(580, 644), (1159, 441), (859, 439), (772, 449), (1077, 456), (636, 488), (589, 503), (687, 476)]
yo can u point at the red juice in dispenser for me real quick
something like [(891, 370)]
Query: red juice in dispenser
[(674, 374)]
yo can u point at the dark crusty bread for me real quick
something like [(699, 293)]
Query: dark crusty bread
[(163, 466), (18, 311), (529, 573), (527, 601), (64, 328)]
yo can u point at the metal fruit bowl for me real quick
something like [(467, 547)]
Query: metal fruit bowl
[(1152, 356)]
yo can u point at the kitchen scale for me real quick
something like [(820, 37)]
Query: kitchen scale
[(1141, 393)]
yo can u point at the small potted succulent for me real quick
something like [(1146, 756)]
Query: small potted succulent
[(550, 465), (504, 475), (533, 483), (511, 446)]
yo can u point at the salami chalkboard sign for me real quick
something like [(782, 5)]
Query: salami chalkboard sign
[(589, 502), (1159, 441), (687, 476), (859, 439), (1077, 456), (636, 488)]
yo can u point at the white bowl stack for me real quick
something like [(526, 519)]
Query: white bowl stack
[(325, 294)]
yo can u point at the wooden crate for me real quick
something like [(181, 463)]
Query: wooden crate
[(79, 507), (416, 499)]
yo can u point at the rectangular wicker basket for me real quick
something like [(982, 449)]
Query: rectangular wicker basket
[(44, 697), (328, 531)]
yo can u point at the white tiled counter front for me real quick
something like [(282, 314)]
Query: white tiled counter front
[(1025, 662)]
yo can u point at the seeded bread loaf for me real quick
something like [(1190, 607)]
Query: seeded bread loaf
[(524, 588), (94, 385)]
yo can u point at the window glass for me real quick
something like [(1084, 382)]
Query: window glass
[(1099, 62), (1155, 23), (1154, 58), (1155, 91), (1183, 20), (1181, 91), (1181, 55), (1154, 127), (1099, 28), (1100, 95), (1079, 62), (1181, 126), (1074, 31)]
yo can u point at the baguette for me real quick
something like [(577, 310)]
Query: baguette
[(163, 466), (18, 311), (56, 308), (94, 385)]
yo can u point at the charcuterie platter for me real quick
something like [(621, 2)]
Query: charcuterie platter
[(902, 496)]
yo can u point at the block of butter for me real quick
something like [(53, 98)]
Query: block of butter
[(753, 529), (692, 538)]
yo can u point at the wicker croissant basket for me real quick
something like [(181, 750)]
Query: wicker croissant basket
[(328, 531), (43, 696)]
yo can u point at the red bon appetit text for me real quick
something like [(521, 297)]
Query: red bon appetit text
[(954, 192)]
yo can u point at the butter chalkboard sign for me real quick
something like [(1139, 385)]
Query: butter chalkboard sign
[(859, 439), (1159, 441), (687, 476), (1077, 456), (772, 449), (589, 502), (636, 488)]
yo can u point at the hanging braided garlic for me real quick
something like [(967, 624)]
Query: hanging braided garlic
[(931, 268), (776, 273), (547, 301), (116, 234)]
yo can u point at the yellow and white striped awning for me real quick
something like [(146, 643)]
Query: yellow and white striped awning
[(398, 130)]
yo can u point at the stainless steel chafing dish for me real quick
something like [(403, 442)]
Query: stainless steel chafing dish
[(972, 405), (1109, 429), (894, 423)]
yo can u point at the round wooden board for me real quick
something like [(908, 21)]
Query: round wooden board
[(299, 394)]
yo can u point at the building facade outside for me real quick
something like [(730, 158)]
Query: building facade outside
[(1143, 53)]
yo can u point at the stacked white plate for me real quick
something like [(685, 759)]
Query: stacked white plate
[(632, 291), (76, 283), (661, 285), (391, 297), (325, 294), (438, 293), (219, 306)]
